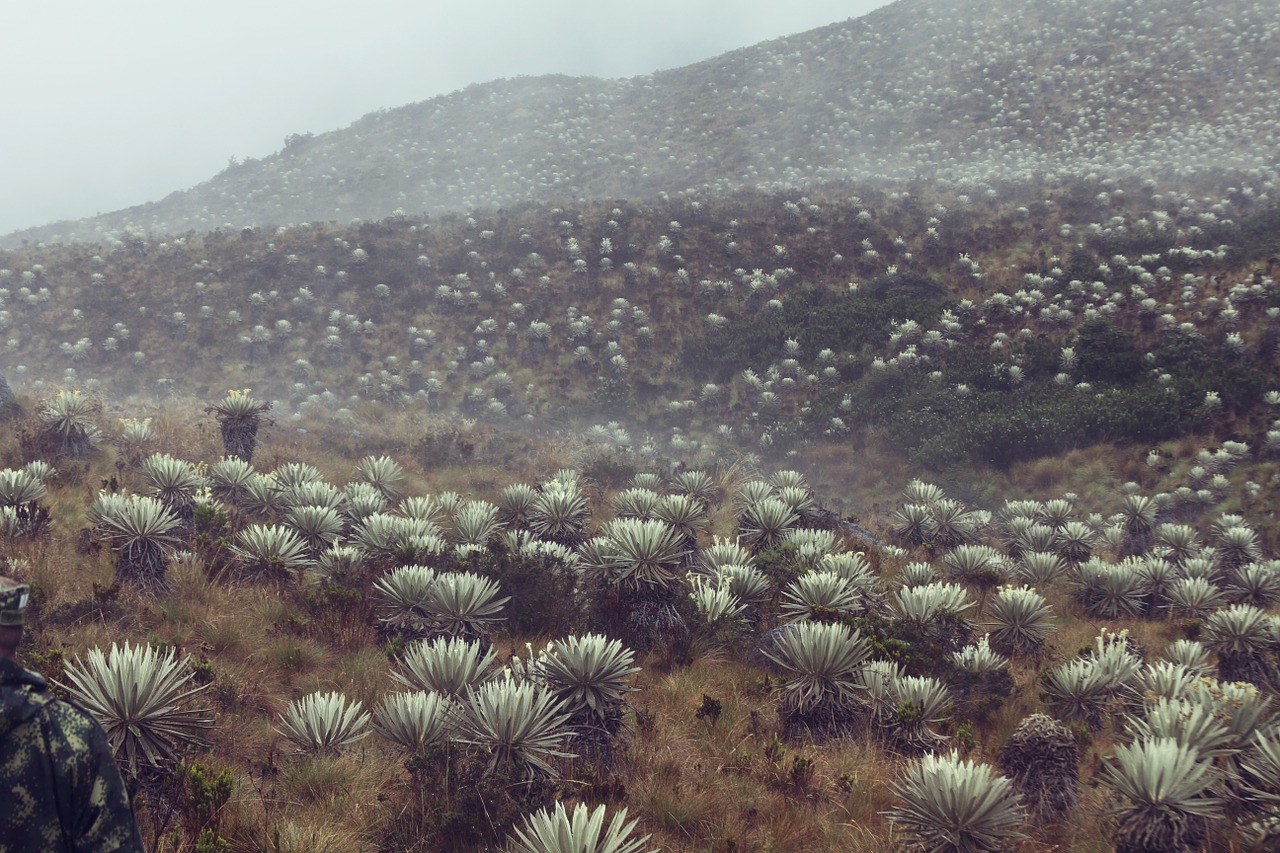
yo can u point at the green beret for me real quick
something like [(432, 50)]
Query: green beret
[(13, 600)]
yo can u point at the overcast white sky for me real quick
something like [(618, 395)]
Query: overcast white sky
[(106, 104)]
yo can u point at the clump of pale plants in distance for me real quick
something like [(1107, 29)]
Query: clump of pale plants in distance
[(789, 479), (422, 508), (1056, 513), (911, 524), (262, 497), (724, 552), (683, 514), (980, 566), (1235, 547), (340, 564), (866, 584), (1190, 653), (635, 503), (1032, 536), (1176, 543), (752, 492), (647, 480), (1108, 590), (1077, 692), (1193, 598), (318, 526), (798, 498), (950, 524), (952, 804), (915, 574), (979, 659), (1040, 568), (697, 485), (41, 470), (361, 501), (917, 703), (324, 723), (747, 583), (1075, 541), (136, 435), (1164, 679), (643, 554), (1156, 577), (1139, 514), (239, 418), (819, 597), (141, 697), (876, 697), (555, 830), (415, 720), (1190, 721), (388, 539), (808, 547), (1042, 761), (474, 524), (1256, 584)]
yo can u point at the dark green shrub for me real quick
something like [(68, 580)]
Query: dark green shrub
[(1197, 368), (817, 319), (1106, 353), (202, 794)]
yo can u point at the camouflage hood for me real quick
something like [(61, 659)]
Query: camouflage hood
[(22, 695)]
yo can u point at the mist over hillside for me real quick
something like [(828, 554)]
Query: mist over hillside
[(938, 90), (844, 440)]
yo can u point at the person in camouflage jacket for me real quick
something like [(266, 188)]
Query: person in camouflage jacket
[(60, 789)]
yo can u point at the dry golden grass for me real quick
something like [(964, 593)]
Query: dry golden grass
[(696, 783)]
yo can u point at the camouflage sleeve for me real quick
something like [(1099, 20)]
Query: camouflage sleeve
[(92, 798)]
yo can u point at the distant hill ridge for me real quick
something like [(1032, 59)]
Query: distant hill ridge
[(945, 90)]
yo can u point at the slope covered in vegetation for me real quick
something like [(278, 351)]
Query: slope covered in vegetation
[(949, 91), (936, 511), (626, 435)]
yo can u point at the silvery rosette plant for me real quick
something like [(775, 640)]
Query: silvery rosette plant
[(821, 663), (416, 720), (68, 423), (1170, 790), (516, 727), (239, 417), (324, 723), (555, 830), (142, 531), (140, 696), (954, 804)]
